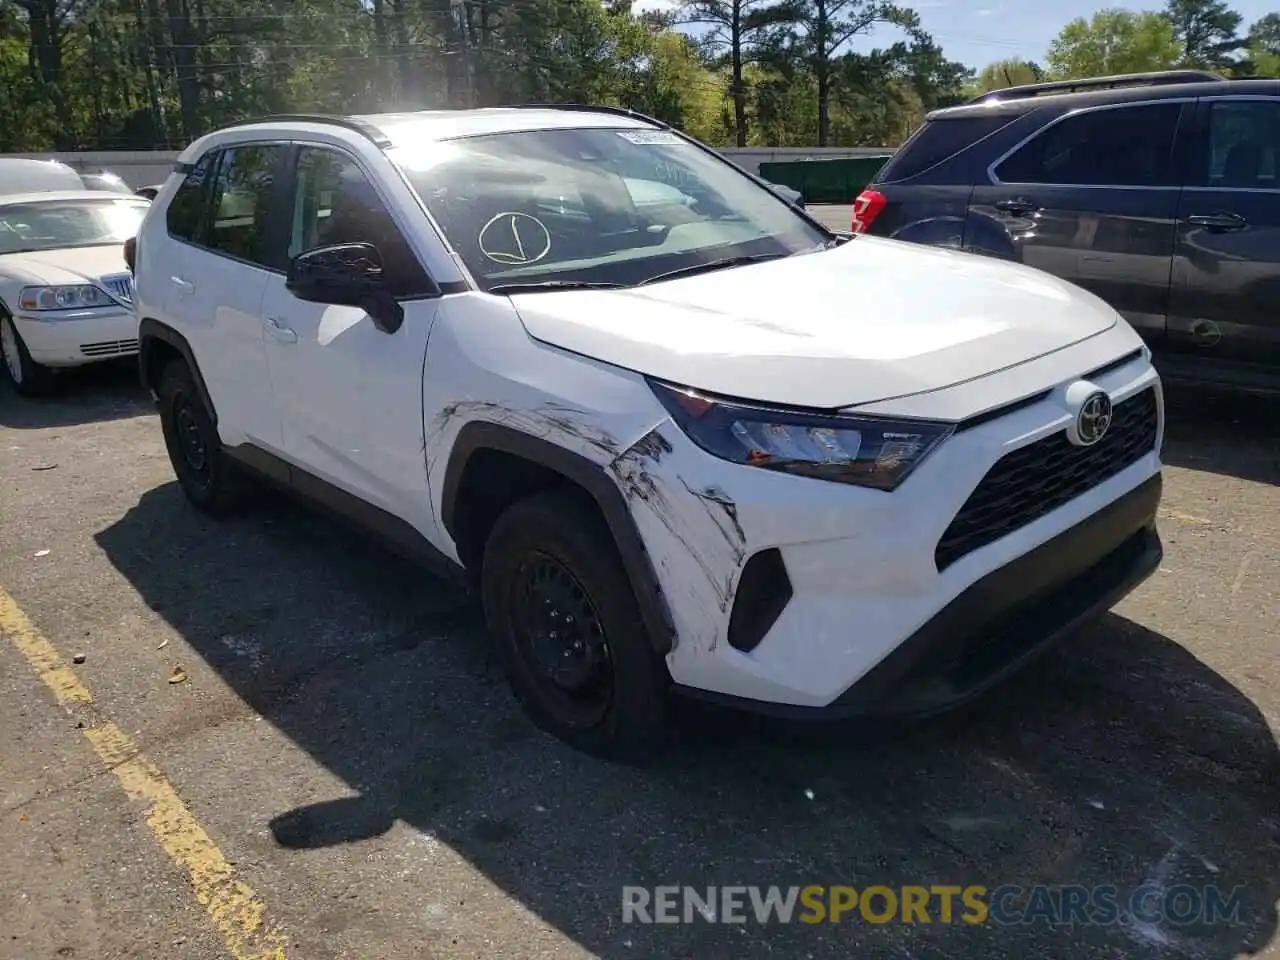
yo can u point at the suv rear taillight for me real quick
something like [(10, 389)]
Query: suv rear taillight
[(131, 252), (866, 208)]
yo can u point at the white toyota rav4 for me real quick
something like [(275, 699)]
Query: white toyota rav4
[(678, 435)]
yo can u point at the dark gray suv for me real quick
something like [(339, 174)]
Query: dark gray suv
[(1158, 192)]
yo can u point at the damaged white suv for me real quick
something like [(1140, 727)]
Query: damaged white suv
[(681, 437)]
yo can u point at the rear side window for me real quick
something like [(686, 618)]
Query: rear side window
[(939, 140), (187, 206), (241, 196), (1112, 147), (1243, 146)]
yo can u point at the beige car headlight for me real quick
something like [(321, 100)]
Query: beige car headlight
[(75, 296)]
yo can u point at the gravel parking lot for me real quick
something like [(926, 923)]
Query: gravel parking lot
[(341, 772)]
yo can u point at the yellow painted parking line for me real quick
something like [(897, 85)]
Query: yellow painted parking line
[(237, 912)]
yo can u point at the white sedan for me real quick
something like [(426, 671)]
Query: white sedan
[(66, 295)]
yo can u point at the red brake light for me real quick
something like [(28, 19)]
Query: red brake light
[(866, 208), (131, 252)]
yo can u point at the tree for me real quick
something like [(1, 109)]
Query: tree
[(1262, 49), (786, 104), (154, 74), (827, 25), (1264, 35), (49, 23), (935, 80), (876, 100), (664, 78), (1206, 31), (1113, 41), (740, 32), (1264, 46), (1006, 73)]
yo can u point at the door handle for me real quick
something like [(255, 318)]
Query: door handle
[(185, 287), (283, 334), (1018, 206), (1218, 221)]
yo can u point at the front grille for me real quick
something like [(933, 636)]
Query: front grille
[(1034, 480), (121, 286), (109, 348)]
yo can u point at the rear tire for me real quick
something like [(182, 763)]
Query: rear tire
[(24, 375), (569, 632), (209, 480)]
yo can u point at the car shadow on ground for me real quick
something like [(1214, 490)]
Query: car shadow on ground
[(91, 394), (1223, 433), (1119, 759)]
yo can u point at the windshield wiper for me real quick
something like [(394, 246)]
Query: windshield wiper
[(713, 265), (545, 286)]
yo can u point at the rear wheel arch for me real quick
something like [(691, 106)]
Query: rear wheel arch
[(158, 345), (943, 231), (985, 235), (492, 466)]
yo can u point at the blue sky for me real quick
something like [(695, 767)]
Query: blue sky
[(978, 32)]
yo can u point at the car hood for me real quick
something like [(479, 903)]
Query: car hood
[(74, 265), (867, 321)]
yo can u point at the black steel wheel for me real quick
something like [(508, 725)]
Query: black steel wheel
[(569, 633), (559, 636), (195, 450)]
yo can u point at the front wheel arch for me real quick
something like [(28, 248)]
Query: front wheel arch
[(33, 379), (553, 464)]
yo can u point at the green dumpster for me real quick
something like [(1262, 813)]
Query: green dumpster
[(825, 181)]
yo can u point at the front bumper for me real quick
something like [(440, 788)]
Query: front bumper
[(870, 610), (1004, 620), (79, 337)]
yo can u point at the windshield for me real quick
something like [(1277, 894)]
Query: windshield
[(595, 205), (56, 224)]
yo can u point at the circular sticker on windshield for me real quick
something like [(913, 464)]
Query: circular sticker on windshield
[(515, 239)]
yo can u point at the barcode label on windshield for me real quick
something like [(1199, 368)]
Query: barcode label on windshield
[(650, 136)]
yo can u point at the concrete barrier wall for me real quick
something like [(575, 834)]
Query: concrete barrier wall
[(750, 158), (138, 168), (146, 167)]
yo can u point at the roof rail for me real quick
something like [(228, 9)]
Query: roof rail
[(361, 127), (589, 108), (1157, 79)]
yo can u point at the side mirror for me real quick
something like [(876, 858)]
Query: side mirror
[(346, 275), (793, 197)]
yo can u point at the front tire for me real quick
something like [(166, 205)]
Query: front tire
[(209, 481), (24, 375), (570, 637)]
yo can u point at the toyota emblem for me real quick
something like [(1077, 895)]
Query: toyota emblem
[(1093, 419)]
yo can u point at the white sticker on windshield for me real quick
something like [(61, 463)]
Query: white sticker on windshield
[(650, 136)]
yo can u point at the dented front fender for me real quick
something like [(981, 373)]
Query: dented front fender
[(691, 530)]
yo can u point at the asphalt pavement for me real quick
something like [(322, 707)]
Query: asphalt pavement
[(266, 738), (832, 216)]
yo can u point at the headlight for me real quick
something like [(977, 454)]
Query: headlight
[(79, 296), (865, 451)]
